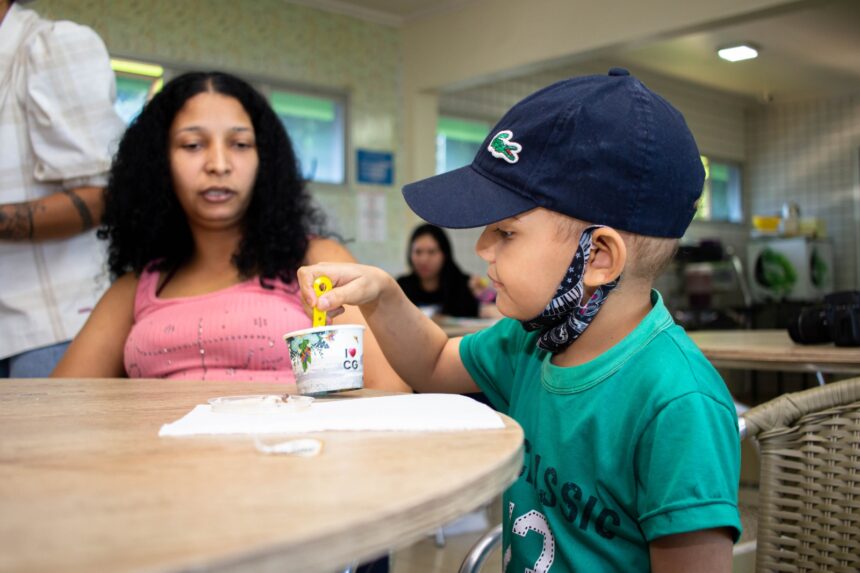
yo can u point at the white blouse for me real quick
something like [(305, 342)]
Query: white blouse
[(58, 130)]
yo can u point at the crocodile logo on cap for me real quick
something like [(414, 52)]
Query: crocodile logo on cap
[(503, 148)]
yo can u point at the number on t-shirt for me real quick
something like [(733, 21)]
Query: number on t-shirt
[(533, 521)]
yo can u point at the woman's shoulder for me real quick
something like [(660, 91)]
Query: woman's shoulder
[(151, 275), (123, 290), (326, 250), (128, 281), (49, 36)]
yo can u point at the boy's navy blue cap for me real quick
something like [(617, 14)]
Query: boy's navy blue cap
[(602, 149)]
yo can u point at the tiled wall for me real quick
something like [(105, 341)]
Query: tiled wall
[(808, 152), (285, 42), (716, 119)]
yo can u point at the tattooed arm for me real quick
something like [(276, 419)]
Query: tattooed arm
[(58, 216)]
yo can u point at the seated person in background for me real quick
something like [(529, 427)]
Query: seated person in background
[(632, 455), (207, 219), (436, 284)]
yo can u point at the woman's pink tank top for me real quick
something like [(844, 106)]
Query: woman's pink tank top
[(232, 334)]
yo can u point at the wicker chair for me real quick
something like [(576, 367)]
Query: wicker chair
[(809, 492)]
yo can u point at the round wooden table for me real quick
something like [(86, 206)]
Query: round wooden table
[(86, 484)]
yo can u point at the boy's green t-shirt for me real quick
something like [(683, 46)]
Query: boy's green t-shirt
[(639, 443)]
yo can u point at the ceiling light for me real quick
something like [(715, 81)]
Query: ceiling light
[(738, 53)]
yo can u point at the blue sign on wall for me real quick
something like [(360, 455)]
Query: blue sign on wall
[(375, 167)]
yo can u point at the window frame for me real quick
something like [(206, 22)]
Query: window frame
[(738, 200), (139, 70), (341, 99), (441, 117)]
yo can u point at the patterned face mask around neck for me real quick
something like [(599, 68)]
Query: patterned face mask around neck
[(566, 317)]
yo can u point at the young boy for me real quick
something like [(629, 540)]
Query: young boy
[(632, 449)]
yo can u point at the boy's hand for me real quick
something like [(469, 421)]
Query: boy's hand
[(353, 284), (418, 350)]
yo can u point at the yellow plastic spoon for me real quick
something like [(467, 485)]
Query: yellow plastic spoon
[(321, 285)]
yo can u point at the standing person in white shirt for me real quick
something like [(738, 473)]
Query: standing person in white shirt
[(57, 130)]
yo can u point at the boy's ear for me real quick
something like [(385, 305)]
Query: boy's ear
[(607, 259)]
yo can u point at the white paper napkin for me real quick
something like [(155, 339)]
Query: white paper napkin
[(413, 412)]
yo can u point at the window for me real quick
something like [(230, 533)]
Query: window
[(316, 128), (721, 196), (457, 142), (136, 82)]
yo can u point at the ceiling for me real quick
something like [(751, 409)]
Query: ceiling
[(809, 50)]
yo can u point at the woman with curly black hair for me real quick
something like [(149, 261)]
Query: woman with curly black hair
[(207, 220)]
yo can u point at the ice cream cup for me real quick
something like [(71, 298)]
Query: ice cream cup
[(327, 358)]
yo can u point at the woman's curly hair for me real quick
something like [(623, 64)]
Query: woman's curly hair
[(144, 221)]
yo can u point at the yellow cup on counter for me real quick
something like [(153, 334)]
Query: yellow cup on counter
[(766, 223)]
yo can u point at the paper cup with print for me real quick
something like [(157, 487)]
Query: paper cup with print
[(327, 358)]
